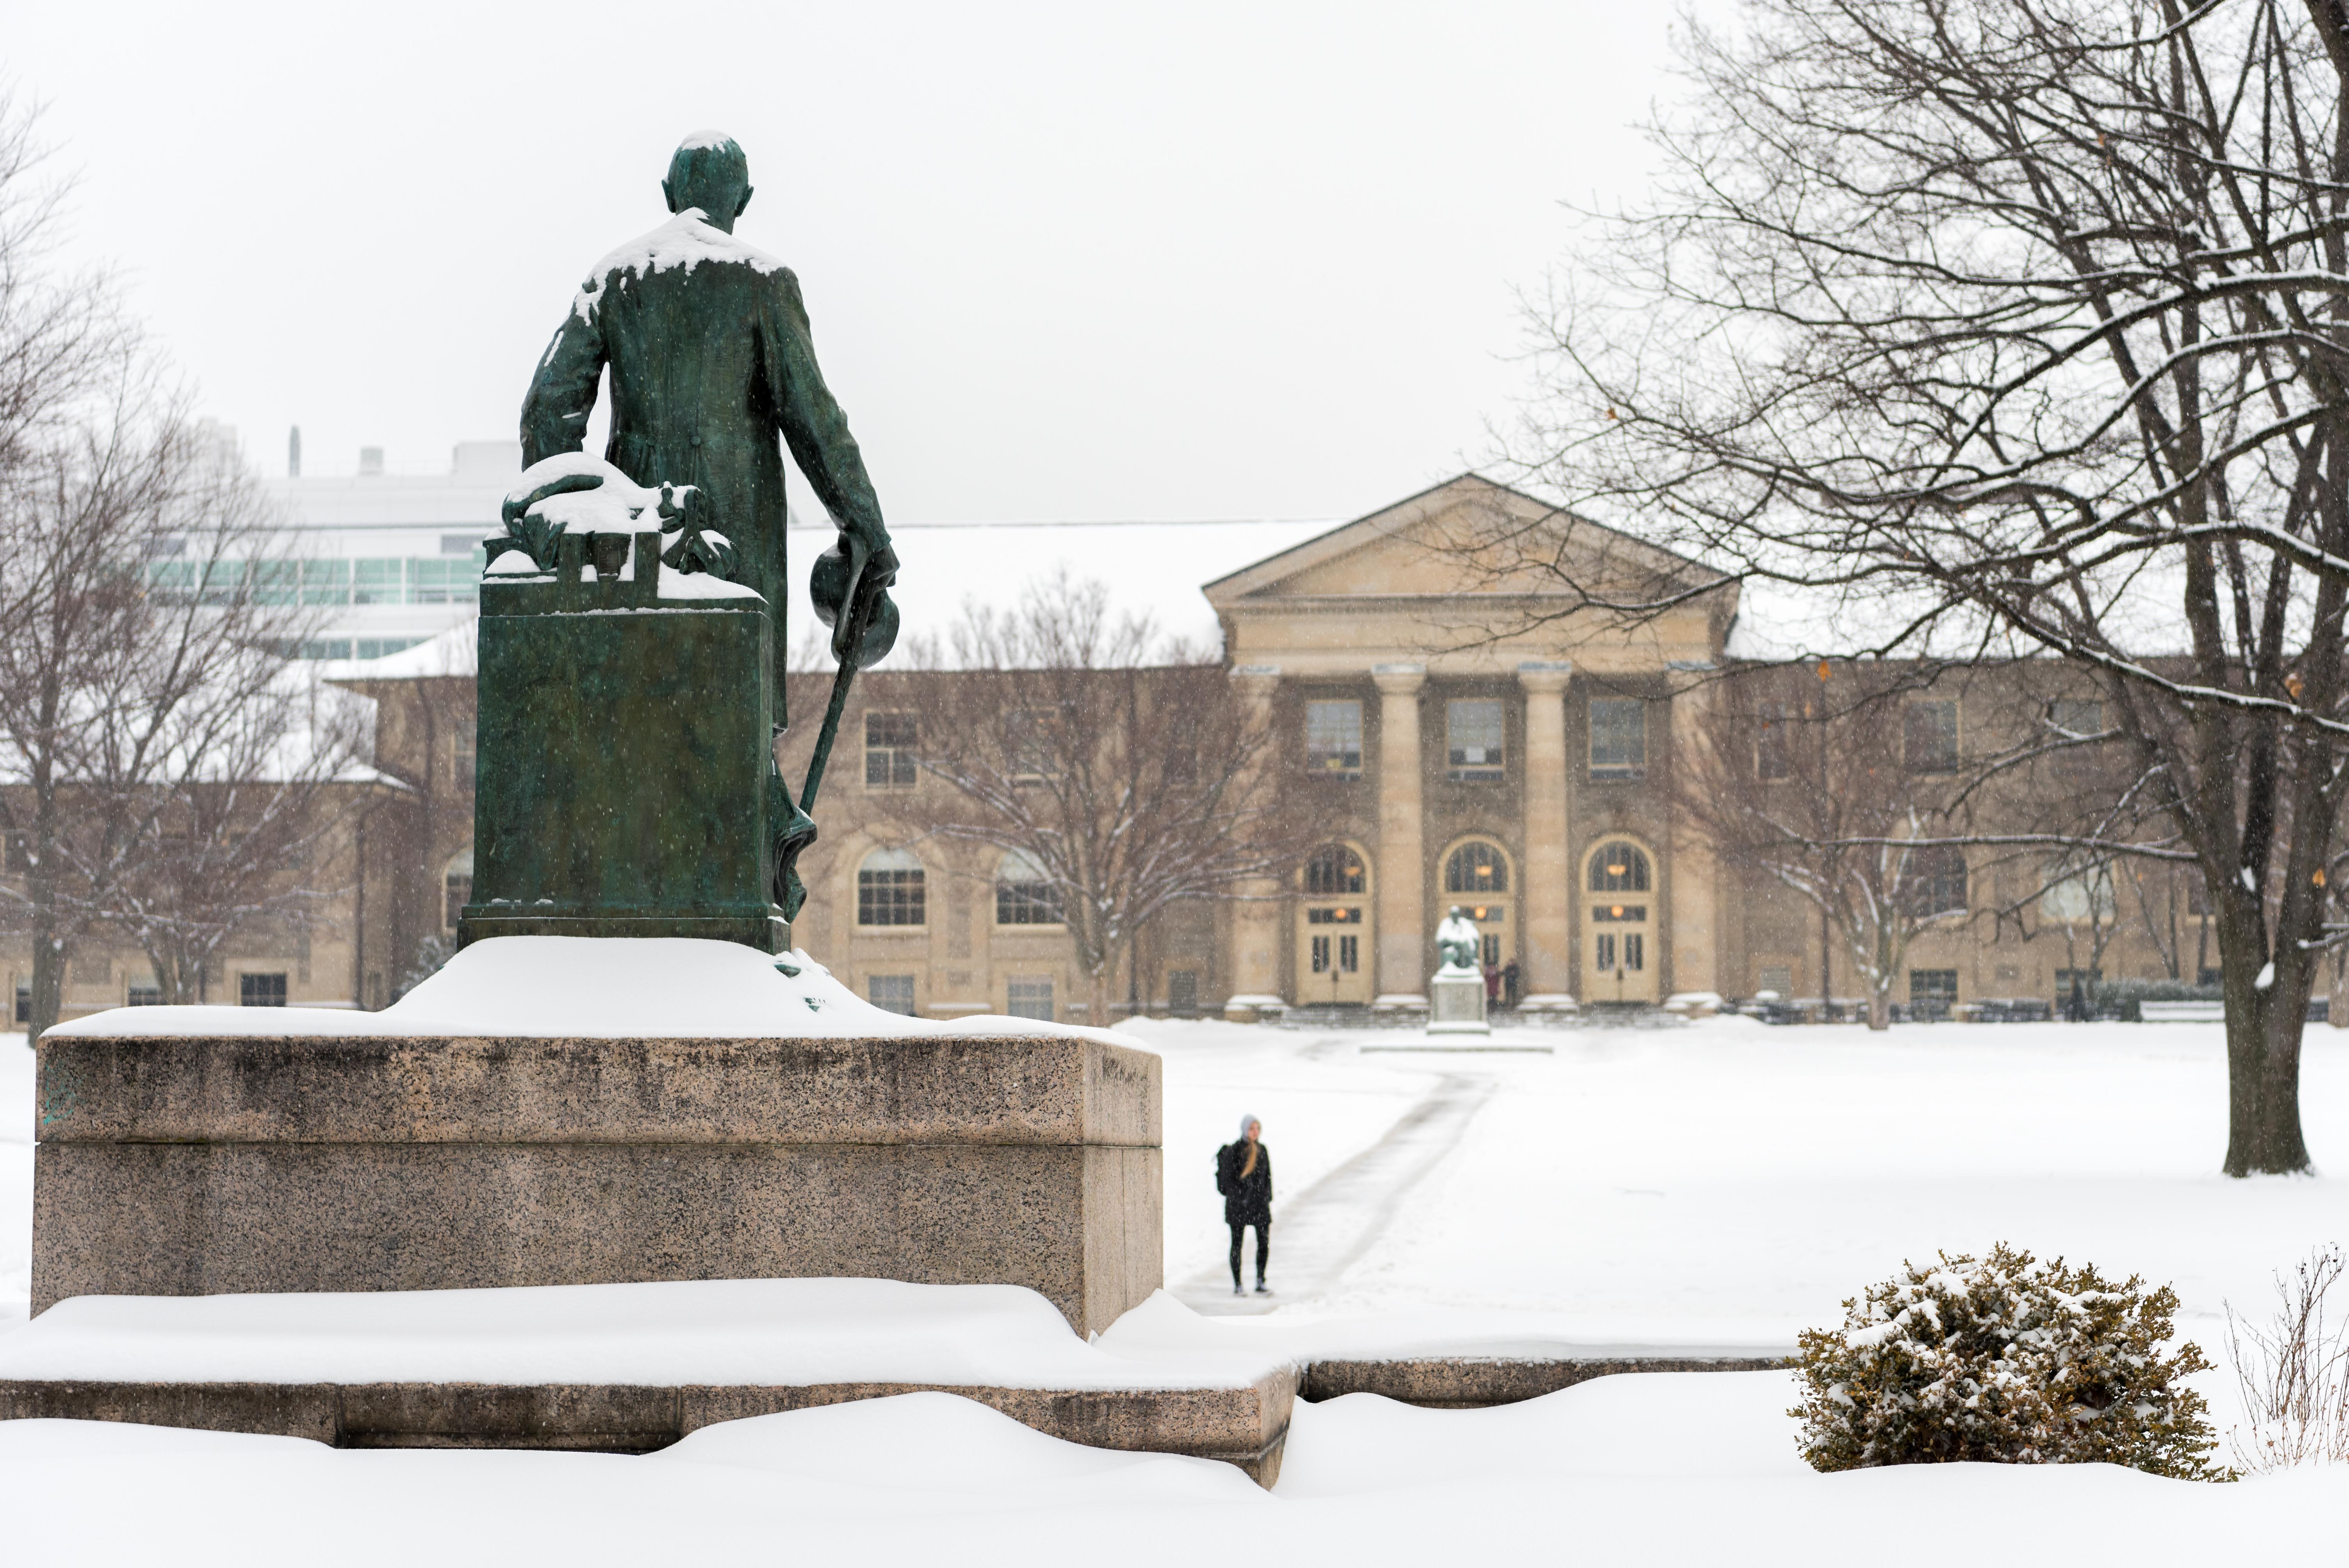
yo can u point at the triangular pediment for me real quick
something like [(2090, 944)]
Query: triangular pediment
[(1467, 536)]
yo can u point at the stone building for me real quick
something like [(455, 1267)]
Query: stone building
[(1462, 732)]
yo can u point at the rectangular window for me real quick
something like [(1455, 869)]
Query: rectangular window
[(2077, 718), (1473, 731), (1774, 753), (2083, 896), (889, 751), (1333, 739), (1027, 745), (377, 583), (260, 990), (891, 993), (1929, 739), (1603, 949), (1026, 902), (2088, 980), (1618, 737), (892, 897), (1350, 953), (326, 582), (277, 582), (24, 1004), (1931, 986), (146, 997), (1029, 996)]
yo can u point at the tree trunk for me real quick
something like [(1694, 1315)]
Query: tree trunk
[(1879, 1006), (2264, 1033)]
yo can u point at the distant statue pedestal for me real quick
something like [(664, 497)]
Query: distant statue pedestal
[(1456, 995), (1456, 1004)]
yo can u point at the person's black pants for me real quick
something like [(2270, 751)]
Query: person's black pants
[(1263, 1250)]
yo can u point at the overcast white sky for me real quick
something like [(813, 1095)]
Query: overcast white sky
[(1065, 261)]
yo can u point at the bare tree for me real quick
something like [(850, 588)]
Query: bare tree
[(60, 331), (2022, 327), (174, 769), (1811, 783), (1122, 772)]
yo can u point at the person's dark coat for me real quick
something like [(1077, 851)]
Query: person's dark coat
[(1247, 1200)]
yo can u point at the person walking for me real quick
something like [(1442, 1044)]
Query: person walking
[(1244, 1176)]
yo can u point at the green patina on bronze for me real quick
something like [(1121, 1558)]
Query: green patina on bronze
[(710, 357), (626, 778), (625, 756)]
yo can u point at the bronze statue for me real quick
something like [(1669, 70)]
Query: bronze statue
[(710, 356), (1457, 943)]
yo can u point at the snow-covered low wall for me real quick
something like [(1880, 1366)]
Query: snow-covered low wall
[(623, 1367)]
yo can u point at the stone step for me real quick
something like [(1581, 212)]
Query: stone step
[(1244, 1426)]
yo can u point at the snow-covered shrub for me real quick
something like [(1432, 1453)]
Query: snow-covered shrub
[(2006, 1360)]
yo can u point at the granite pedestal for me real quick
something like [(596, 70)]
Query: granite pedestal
[(210, 1164), (1456, 1004)]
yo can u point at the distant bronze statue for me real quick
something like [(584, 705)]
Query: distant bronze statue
[(710, 355), (1456, 943)]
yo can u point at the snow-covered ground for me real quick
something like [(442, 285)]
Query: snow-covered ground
[(1733, 1182), (1657, 1471), (1720, 1184)]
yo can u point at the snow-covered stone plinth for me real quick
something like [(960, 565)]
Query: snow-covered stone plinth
[(568, 1110), (1456, 1004)]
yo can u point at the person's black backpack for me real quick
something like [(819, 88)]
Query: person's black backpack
[(1223, 1171)]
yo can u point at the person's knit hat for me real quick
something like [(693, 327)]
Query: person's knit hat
[(1244, 1120)]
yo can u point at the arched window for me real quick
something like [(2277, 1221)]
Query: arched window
[(457, 888), (1334, 870), (1024, 894), (1476, 867), (1934, 882), (890, 890), (1619, 867)]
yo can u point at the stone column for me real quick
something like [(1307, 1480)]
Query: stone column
[(1258, 915), (1405, 958), (1546, 893), (1693, 928)]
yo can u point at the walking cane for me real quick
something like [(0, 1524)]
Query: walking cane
[(859, 615)]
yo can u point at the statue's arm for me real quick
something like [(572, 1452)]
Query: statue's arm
[(563, 390), (813, 425)]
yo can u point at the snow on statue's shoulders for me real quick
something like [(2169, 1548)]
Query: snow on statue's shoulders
[(686, 240)]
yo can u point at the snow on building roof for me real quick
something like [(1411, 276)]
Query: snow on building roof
[(1150, 567)]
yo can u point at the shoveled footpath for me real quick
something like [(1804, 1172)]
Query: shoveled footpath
[(1322, 1231)]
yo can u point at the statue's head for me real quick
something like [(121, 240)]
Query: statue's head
[(707, 171), (1455, 912)]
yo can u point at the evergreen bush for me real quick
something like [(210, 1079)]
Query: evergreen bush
[(2005, 1360)]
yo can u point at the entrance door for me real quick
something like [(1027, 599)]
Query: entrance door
[(1619, 929), (1333, 929)]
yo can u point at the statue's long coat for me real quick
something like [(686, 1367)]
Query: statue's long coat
[(710, 355)]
